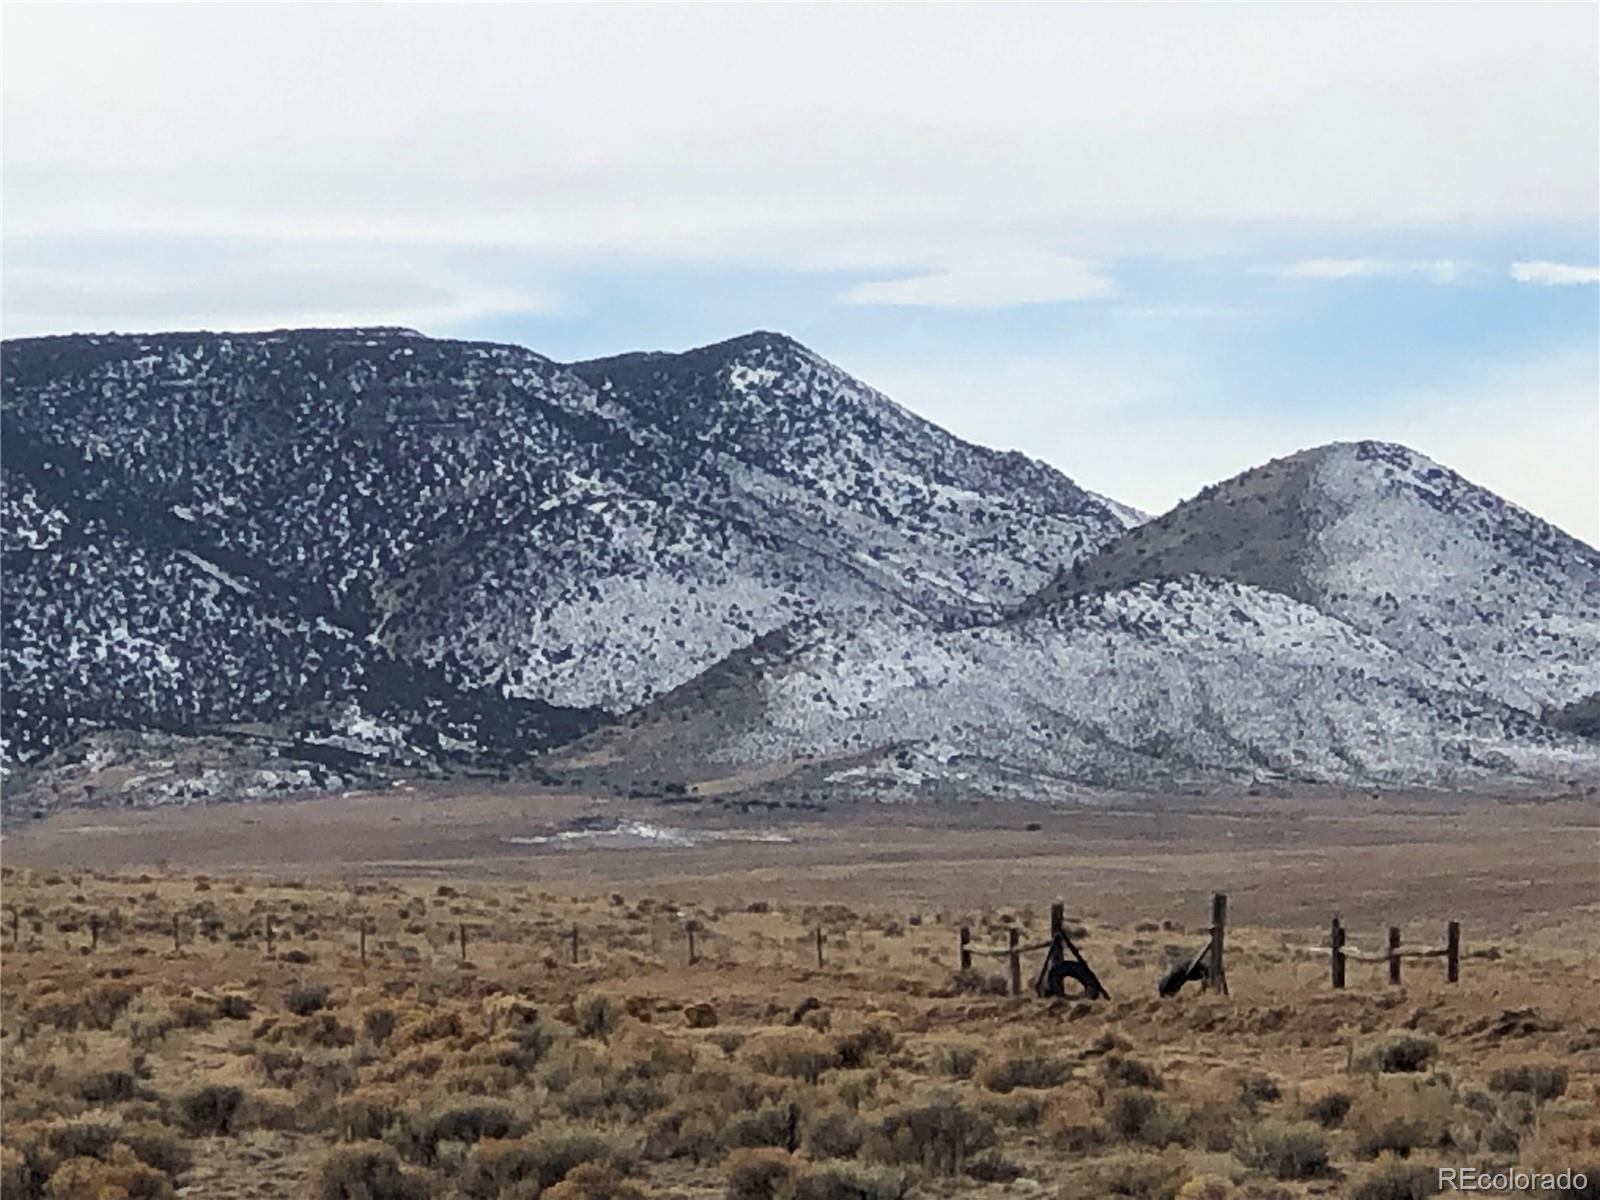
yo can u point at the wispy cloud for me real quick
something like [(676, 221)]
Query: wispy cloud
[(305, 289), (995, 281), (1437, 270), (1549, 274)]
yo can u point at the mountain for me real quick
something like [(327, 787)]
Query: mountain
[(406, 550), (1179, 684), (1398, 547)]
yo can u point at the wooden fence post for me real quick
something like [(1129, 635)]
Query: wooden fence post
[(1452, 952), (1058, 921), (462, 931), (1216, 974), (1394, 954), (94, 933), (690, 930), (268, 920), (1013, 939), (819, 947), (966, 948), (574, 943), (1336, 944), (175, 946), (363, 941)]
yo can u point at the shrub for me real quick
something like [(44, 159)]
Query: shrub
[(1141, 1176), (839, 1181), (81, 1139), (366, 1115), (81, 1178), (1287, 1151), (1073, 1124), (1023, 1065), (597, 1016), (537, 1161), (1121, 1071), (234, 1006), (469, 1123), (835, 1133), (957, 1059), (1541, 1080), (369, 1171), (1136, 1115), (592, 1181), (109, 1087), (792, 1055), (939, 1134), (1329, 1110), (757, 1174), (1399, 1119), (306, 998), (1258, 1088), (378, 1023), (769, 1125), (210, 1110), (1394, 1180), (157, 1146), (1402, 1054), (854, 1049)]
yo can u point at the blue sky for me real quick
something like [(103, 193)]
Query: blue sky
[(1153, 246)]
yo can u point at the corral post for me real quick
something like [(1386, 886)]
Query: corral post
[(1336, 944), (574, 943), (1216, 975), (1013, 937), (94, 933), (966, 948), (1452, 952), (690, 929), (462, 931), (819, 947), (1394, 954)]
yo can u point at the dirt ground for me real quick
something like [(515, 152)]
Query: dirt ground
[(135, 973)]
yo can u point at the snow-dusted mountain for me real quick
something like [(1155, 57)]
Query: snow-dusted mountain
[(1185, 683), (305, 559), (1396, 546), (406, 548)]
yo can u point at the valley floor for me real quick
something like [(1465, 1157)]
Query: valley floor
[(150, 1030)]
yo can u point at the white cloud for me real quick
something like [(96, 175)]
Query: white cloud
[(992, 282), (784, 133), (301, 287), (1551, 273), (1439, 270)]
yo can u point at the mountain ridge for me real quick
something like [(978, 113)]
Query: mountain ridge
[(379, 552)]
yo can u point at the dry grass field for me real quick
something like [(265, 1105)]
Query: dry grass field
[(155, 1044)]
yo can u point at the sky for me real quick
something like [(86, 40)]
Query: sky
[(1152, 246)]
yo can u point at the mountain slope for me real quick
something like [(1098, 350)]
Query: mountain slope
[(1398, 547), (222, 529), (1184, 683)]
